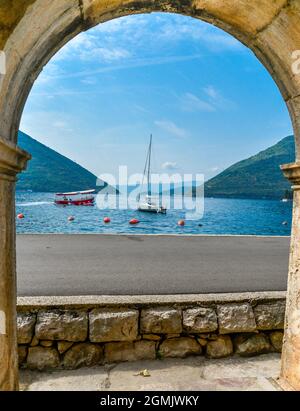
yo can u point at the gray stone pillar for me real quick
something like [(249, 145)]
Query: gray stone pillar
[(12, 161), (290, 362)]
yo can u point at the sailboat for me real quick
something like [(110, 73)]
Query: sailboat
[(149, 205)]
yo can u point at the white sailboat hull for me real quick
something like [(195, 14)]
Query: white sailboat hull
[(151, 208)]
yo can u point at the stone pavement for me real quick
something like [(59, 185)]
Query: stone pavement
[(193, 373)]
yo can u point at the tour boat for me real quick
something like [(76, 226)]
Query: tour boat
[(78, 198), (149, 205)]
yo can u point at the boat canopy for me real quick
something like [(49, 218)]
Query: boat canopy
[(77, 193)]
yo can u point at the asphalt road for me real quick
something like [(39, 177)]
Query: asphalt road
[(119, 265)]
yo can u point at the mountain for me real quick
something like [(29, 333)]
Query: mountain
[(49, 171), (256, 177)]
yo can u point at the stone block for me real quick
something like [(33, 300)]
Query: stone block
[(276, 339), (151, 337), (66, 325), (270, 316), (22, 354), (161, 321), (130, 351), (219, 348), (179, 348), (249, 345), (46, 343), (200, 320), (40, 358), (236, 318), (83, 355), (34, 342), (113, 324), (63, 346), (25, 327)]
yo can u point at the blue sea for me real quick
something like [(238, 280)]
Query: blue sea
[(221, 216)]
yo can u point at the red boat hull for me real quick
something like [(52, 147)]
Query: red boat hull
[(89, 202)]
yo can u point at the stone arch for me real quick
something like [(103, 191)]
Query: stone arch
[(33, 30)]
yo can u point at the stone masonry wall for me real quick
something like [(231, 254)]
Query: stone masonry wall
[(70, 338)]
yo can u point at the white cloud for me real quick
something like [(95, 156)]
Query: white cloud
[(171, 128), (190, 102), (169, 165), (90, 81), (211, 91), (217, 99), (104, 54), (126, 36), (89, 47)]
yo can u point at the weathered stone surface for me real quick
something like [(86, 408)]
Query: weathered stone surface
[(200, 320), (83, 355), (219, 348), (46, 343), (25, 324), (151, 337), (113, 324), (270, 316), (41, 358), (22, 354), (212, 336), (34, 342), (179, 347), (70, 325), (248, 345), (202, 341), (172, 336), (276, 339), (130, 351), (161, 321), (235, 318), (63, 346)]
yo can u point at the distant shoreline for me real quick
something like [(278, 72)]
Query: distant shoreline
[(209, 197)]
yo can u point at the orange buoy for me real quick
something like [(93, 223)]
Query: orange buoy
[(106, 220), (20, 216), (181, 223), (134, 221), (71, 218)]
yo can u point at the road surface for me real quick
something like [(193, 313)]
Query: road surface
[(126, 264)]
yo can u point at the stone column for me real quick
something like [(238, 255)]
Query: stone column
[(290, 362), (12, 161)]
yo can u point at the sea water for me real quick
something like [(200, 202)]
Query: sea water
[(220, 216)]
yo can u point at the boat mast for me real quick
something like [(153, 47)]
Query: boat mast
[(149, 167)]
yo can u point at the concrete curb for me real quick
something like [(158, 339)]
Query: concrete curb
[(90, 301)]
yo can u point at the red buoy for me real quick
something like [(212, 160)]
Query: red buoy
[(20, 216), (181, 223), (134, 221), (71, 218), (106, 220)]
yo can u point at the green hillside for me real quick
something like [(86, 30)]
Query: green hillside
[(256, 177), (49, 171)]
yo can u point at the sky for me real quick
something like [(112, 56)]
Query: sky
[(204, 96)]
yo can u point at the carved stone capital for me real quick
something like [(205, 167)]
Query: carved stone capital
[(12, 160), (292, 173)]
